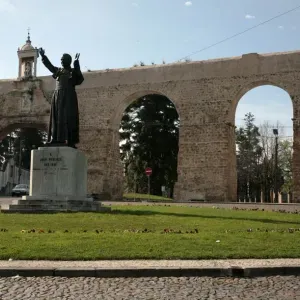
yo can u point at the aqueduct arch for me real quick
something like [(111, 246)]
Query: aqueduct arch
[(205, 94), (232, 177), (114, 165), (118, 113), (117, 117), (250, 86)]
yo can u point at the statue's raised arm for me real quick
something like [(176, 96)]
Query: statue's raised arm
[(79, 76), (42, 52), (77, 56), (47, 62)]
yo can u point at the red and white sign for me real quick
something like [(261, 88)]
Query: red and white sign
[(148, 171)]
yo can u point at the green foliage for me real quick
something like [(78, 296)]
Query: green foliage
[(149, 138), (6, 149), (248, 159), (25, 139), (285, 156)]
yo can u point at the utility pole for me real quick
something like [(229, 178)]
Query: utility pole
[(275, 131)]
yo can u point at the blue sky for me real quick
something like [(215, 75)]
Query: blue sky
[(120, 33)]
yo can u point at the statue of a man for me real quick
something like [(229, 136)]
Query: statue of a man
[(64, 116), (27, 72)]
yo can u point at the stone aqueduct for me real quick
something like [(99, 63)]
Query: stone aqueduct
[(205, 94)]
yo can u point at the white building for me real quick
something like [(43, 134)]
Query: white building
[(9, 177)]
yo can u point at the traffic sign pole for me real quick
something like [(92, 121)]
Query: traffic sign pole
[(148, 172), (148, 188)]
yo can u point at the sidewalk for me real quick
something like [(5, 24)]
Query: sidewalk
[(152, 268)]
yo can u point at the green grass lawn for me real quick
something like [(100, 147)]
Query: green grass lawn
[(120, 234), (132, 196)]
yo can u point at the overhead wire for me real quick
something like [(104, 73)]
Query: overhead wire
[(240, 33), (231, 37)]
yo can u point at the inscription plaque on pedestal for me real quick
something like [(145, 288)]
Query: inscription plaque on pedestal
[(58, 171)]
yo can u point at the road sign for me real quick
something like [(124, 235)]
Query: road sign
[(148, 171)]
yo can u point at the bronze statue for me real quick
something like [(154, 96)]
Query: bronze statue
[(64, 116)]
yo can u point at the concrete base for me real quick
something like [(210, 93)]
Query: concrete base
[(58, 183), (55, 198)]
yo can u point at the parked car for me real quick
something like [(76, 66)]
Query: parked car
[(20, 190)]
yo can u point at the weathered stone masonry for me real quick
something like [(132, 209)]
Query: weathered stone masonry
[(205, 94)]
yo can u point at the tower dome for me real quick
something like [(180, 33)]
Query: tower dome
[(28, 45)]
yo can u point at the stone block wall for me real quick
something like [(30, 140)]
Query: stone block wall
[(205, 94)]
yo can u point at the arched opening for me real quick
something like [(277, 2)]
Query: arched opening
[(15, 154), (149, 136), (264, 145)]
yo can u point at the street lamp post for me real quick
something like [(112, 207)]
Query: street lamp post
[(275, 132)]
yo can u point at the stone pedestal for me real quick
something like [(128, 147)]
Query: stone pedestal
[(58, 182), (58, 172)]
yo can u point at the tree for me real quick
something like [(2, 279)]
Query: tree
[(256, 161), (248, 159), (267, 141), (285, 157), (27, 139), (149, 138), (6, 149), (269, 169)]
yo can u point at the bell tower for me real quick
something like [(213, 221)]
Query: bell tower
[(27, 55)]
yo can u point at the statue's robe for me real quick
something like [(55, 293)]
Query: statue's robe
[(64, 116)]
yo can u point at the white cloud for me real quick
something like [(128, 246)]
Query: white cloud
[(135, 4), (249, 17), (280, 27), (188, 3), (6, 6)]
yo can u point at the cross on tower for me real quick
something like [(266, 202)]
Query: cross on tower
[(28, 31)]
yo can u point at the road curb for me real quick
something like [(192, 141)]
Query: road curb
[(151, 272)]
